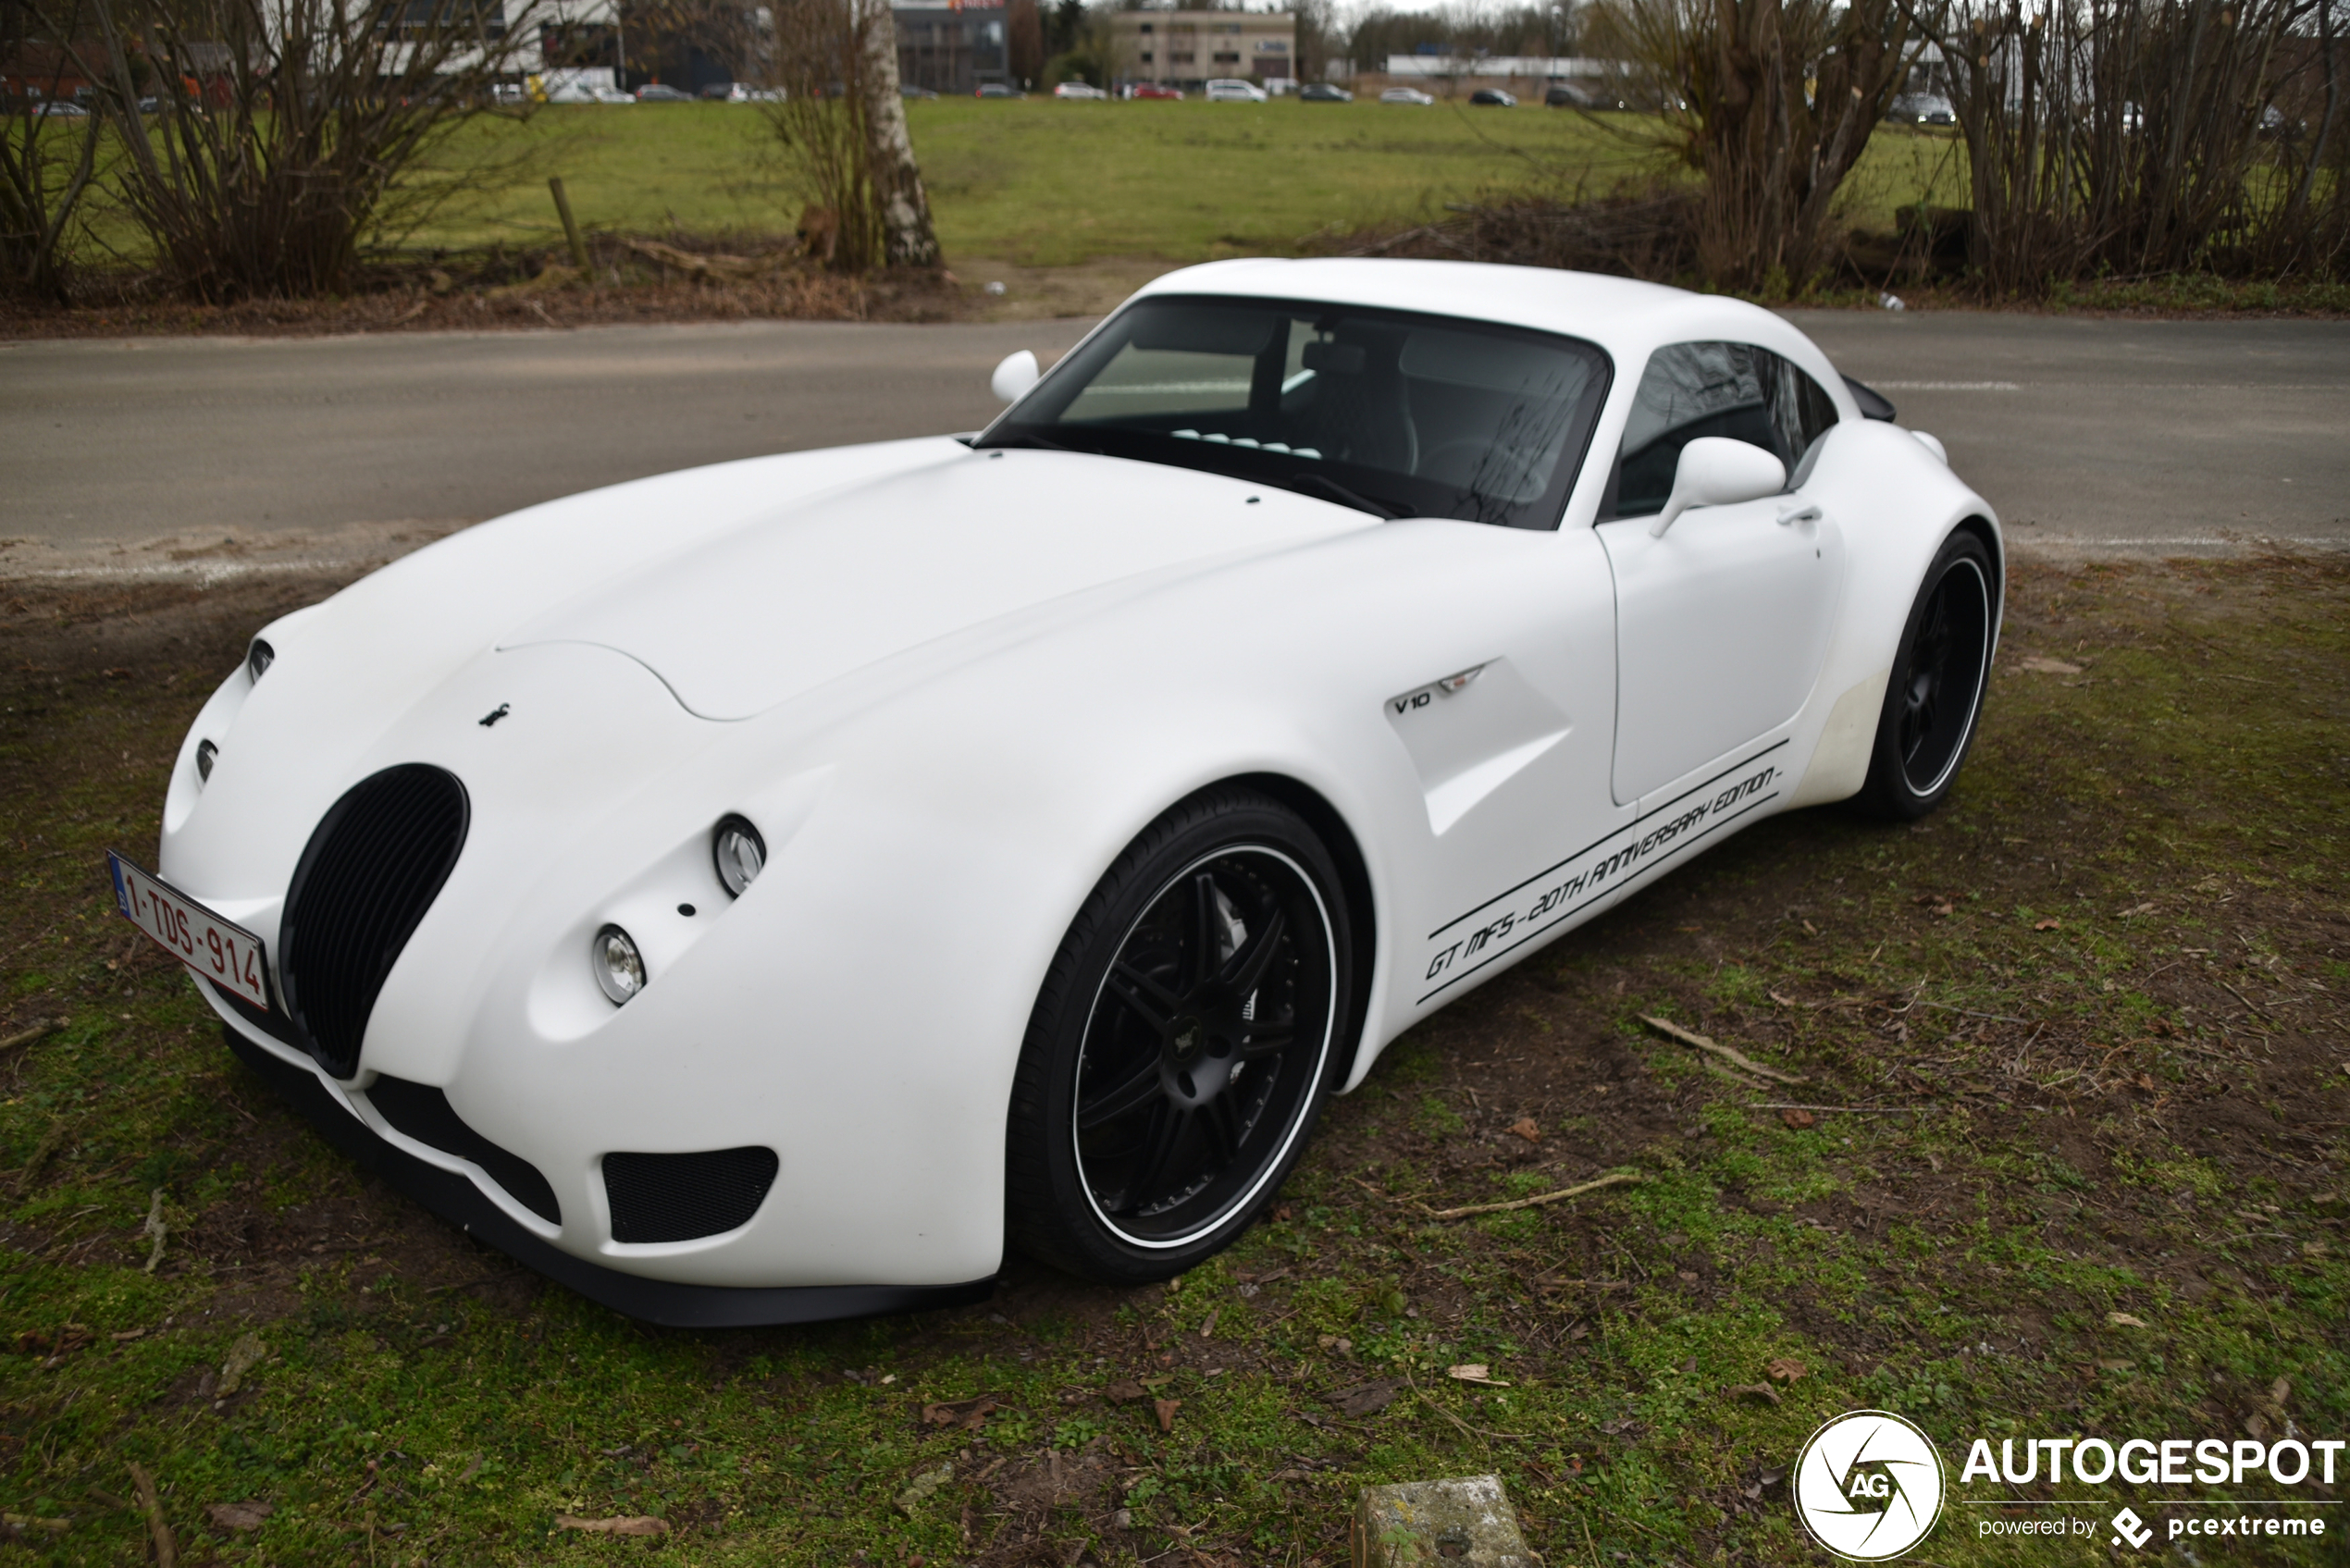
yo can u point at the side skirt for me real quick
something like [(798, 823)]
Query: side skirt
[(662, 1302)]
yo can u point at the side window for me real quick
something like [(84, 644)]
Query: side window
[(1730, 389), (1801, 414)]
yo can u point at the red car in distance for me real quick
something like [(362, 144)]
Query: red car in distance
[(1155, 90)]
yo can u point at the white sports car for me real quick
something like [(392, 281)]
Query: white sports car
[(766, 892)]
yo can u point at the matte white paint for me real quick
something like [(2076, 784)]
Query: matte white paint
[(949, 686)]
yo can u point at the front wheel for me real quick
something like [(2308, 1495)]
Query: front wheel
[(1182, 1045), (1936, 696)]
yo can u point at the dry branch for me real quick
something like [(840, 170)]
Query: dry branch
[(166, 1551), (1727, 1053), (1619, 1179)]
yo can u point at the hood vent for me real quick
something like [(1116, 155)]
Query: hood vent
[(376, 861)]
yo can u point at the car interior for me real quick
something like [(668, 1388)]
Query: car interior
[(1430, 418)]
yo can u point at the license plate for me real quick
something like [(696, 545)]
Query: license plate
[(229, 955)]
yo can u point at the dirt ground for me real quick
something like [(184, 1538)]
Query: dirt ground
[(2043, 1132)]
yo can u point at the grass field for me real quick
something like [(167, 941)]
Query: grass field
[(1045, 183), (2092, 1013)]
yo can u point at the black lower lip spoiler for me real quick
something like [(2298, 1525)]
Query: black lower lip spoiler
[(662, 1301)]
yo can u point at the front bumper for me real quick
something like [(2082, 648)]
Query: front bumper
[(667, 1303)]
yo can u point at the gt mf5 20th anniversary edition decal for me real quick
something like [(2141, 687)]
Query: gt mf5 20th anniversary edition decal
[(1509, 920)]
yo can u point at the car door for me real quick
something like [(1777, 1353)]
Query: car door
[(1723, 623)]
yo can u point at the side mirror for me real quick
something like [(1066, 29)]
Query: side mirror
[(1715, 471), (1014, 376)]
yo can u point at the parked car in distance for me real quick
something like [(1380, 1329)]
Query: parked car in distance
[(1494, 98), (1324, 93), (909, 91), (1155, 90), (1232, 90), (661, 93), (1562, 95), (997, 90), (1923, 108), (608, 96), (1412, 95), (1079, 90)]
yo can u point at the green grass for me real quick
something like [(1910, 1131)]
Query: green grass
[(1044, 183), (2159, 1137)]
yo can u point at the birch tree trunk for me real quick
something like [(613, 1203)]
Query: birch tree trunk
[(907, 237)]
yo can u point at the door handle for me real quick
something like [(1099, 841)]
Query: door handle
[(1799, 514)]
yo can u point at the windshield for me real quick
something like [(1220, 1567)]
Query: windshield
[(1398, 415)]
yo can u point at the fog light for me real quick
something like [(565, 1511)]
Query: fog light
[(258, 657), (620, 968), (740, 851), (206, 752)]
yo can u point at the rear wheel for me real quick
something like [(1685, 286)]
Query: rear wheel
[(1182, 1045), (1935, 695)]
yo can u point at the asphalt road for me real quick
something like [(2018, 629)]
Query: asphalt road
[(2110, 436), (2118, 435)]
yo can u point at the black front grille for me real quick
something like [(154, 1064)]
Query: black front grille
[(424, 1114), (679, 1197), (371, 870)]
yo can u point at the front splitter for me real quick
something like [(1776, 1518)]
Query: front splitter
[(664, 1301)]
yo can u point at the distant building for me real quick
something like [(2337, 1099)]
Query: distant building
[(1186, 48), (951, 46)]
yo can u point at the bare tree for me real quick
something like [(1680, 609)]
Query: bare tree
[(842, 124), (282, 128), (47, 159), (2133, 137), (908, 239), (1773, 102)]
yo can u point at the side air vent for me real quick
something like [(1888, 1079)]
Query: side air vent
[(680, 1197), (371, 870), (424, 1114)]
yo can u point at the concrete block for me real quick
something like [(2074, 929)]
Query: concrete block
[(1437, 1524)]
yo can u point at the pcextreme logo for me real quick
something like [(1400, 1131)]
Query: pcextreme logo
[(1868, 1486)]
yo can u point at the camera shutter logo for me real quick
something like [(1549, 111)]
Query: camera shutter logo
[(1868, 1486)]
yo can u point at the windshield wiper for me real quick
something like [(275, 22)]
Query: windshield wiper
[(1331, 489), (1029, 439)]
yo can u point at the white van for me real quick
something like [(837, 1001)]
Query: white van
[(1231, 90)]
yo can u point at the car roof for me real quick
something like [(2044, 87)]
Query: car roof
[(1628, 318)]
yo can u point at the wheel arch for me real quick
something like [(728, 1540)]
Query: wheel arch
[(1338, 836), (1981, 527)]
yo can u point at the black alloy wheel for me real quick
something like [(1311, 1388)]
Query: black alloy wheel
[(1182, 1045), (1936, 696)]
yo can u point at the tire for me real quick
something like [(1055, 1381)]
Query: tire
[(1935, 698), (1160, 1101)]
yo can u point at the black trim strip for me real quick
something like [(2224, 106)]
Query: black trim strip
[(662, 1301), (1629, 881), (1562, 864)]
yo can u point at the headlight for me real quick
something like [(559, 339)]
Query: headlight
[(620, 968), (739, 852), (258, 657), (206, 752)]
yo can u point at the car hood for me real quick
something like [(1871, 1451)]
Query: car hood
[(799, 593)]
